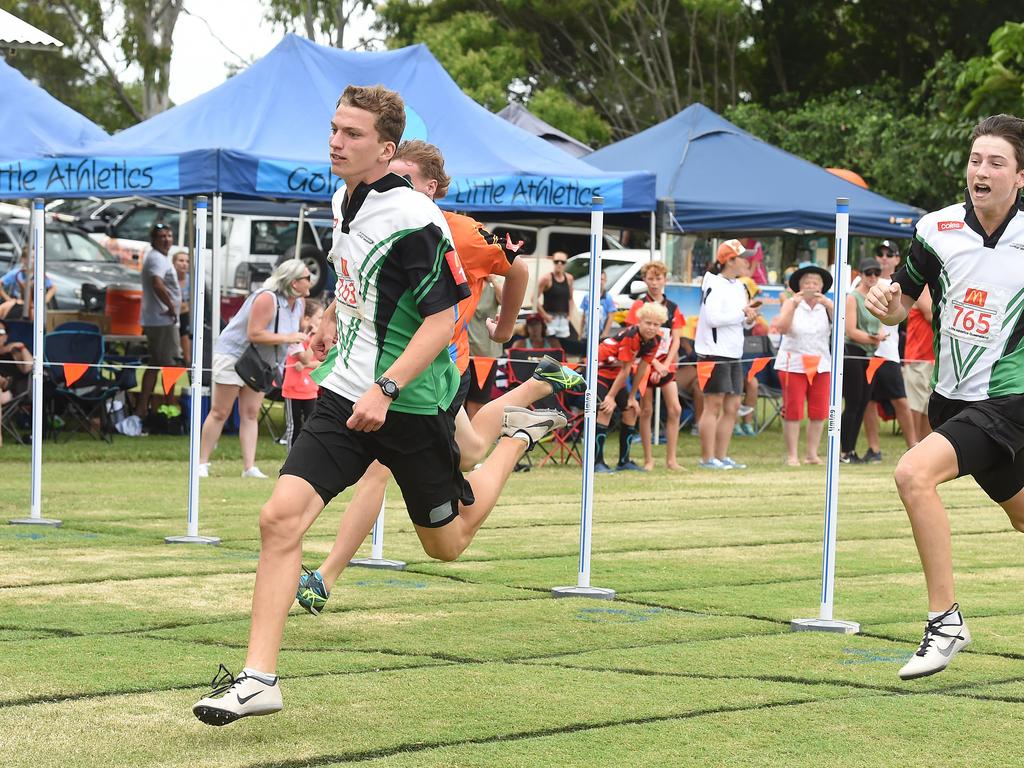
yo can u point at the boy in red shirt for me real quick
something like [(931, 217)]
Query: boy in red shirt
[(615, 359), (663, 367)]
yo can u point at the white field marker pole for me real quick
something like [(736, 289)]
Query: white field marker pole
[(215, 273), (583, 588), (825, 622), (376, 558), (196, 385), (38, 299)]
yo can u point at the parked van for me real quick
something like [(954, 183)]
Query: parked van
[(539, 242)]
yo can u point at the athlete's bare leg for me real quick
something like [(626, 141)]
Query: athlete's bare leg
[(646, 414), (918, 474), (449, 541), (284, 519), (476, 437), (1014, 508), (356, 522)]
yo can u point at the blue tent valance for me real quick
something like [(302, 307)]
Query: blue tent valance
[(264, 133)]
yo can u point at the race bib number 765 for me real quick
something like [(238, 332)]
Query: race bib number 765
[(974, 314)]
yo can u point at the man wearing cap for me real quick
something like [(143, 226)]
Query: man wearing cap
[(805, 322), (725, 310), (888, 384), (161, 304)]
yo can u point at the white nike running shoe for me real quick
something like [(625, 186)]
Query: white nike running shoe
[(241, 696), (530, 425), (944, 637)]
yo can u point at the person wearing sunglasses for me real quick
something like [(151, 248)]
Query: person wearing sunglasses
[(553, 299), (863, 335), (887, 387)]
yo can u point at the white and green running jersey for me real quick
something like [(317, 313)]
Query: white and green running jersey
[(977, 285), (396, 264)]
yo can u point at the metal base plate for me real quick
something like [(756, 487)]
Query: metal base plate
[(825, 625), (35, 521), (595, 593), (374, 562), (191, 540)]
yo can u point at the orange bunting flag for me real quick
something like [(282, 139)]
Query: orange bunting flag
[(756, 366), (873, 365), (171, 375), (811, 367), (73, 372), (704, 370), (482, 368)]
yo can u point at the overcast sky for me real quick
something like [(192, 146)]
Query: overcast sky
[(213, 35)]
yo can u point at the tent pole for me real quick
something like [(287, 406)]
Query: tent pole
[(654, 234), (298, 230), (215, 271), (36, 301), (198, 308)]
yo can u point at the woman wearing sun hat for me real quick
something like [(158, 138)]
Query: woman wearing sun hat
[(805, 322)]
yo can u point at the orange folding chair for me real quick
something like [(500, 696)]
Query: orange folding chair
[(564, 445)]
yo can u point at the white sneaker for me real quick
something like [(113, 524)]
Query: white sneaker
[(241, 696), (202, 470), (732, 464), (530, 425), (944, 637), (254, 471), (745, 410)]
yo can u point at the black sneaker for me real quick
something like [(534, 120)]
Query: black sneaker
[(850, 458), (872, 457)]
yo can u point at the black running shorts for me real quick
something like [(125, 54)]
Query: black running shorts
[(726, 379), (988, 437), (621, 397), (419, 450), (887, 383)]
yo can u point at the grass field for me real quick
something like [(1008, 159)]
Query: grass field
[(108, 635)]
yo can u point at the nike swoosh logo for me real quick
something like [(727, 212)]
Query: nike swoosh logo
[(948, 650), (244, 699)]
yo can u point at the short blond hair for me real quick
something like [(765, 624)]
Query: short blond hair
[(429, 160), (653, 269), (652, 311), (387, 105)]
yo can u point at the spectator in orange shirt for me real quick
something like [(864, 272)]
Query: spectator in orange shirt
[(919, 362), (663, 367)]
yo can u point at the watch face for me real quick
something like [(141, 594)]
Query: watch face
[(389, 387)]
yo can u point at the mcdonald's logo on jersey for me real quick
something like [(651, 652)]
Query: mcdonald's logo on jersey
[(945, 226), (976, 297)]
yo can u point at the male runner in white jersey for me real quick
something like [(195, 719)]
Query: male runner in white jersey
[(971, 257), (390, 383), (481, 255)]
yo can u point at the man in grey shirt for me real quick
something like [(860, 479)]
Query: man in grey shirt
[(161, 304)]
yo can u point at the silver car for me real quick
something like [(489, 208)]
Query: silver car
[(72, 259)]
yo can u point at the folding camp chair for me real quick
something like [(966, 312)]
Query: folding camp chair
[(564, 445), (270, 399), (86, 398), (769, 397)]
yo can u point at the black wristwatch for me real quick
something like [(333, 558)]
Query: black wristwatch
[(388, 387)]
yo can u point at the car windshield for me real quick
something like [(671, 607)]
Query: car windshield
[(579, 268), (69, 245)]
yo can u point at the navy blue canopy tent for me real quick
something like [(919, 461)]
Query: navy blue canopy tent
[(719, 178), (264, 133), (33, 123)]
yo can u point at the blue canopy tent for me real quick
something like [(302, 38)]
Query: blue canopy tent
[(719, 178), (35, 124), (264, 132)]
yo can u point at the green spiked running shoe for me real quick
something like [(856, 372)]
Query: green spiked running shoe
[(312, 594), (560, 377)]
